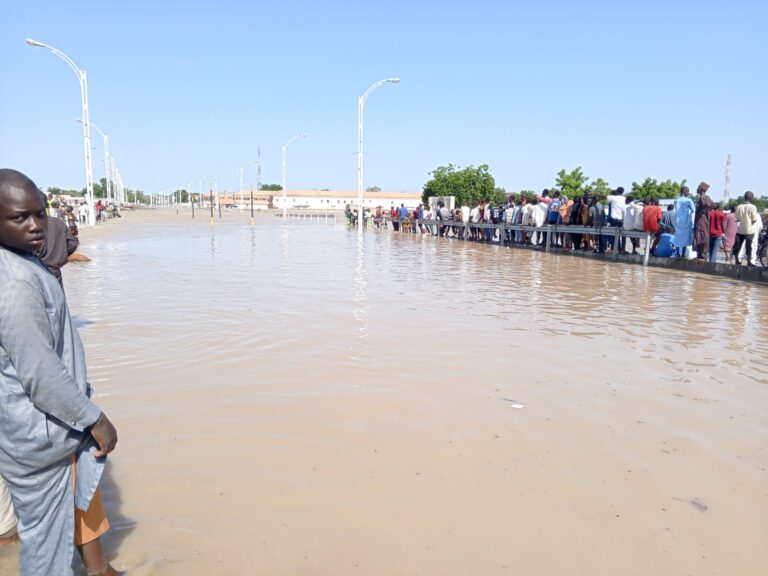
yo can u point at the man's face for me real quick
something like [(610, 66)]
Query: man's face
[(22, 218)]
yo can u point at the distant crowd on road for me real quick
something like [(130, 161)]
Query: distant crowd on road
[(77, 214), (698, 229)]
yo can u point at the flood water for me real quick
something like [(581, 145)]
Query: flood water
[(293, 399)]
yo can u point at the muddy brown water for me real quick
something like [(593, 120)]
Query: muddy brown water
[(294, 399)]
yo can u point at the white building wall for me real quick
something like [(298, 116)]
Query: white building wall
[(336, 203)]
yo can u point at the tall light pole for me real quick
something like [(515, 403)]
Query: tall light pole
[(360, 107), (285, 184), (116, 182), (242, 169), (108, 184), (216, 183), (82, 78)]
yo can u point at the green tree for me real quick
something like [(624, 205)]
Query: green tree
[(184, 196), (271, 187), (571, 183), (650, 187), (499, 196), (56, 191), (465, 185), (761, 203), (599, 187), (373, 189)]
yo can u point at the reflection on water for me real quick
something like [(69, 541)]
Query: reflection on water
[(360, 310), (293, 398)]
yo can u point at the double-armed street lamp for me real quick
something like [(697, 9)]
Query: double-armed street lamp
[(285, 183), (216, 184), (82, 78), (360, 107), (242, 170), (108, 183)]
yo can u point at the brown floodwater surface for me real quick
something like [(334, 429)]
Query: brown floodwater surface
[(294, 399)]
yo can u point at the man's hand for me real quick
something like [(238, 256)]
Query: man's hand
[(105, 435)]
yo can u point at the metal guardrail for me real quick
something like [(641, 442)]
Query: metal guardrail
[(611, 231)]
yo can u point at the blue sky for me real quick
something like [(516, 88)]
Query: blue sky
[(188, 89)]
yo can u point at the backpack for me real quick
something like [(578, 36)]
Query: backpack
[(554, 212)]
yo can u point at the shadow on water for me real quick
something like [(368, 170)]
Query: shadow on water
[(120, 525)]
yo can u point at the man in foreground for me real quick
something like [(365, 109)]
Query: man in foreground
[(46, 415)]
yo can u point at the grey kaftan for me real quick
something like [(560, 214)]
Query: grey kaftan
[(44, 411)]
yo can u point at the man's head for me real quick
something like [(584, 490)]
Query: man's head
[(749, 196), (703, 187), (619, 191), (22, 213), (545, 193), (670, 207), (684, 191)]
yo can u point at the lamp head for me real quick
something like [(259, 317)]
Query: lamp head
[(303, 135), (394, 80), (35, 43)]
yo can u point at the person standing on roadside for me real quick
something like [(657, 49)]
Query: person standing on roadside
[(730, 227), (746, 216), (684, 210), (652, 220), (716, 218), (48, 418), (704, 205), (59, 245), (617, 205)]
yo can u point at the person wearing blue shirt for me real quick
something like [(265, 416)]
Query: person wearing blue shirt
[(684, 212)]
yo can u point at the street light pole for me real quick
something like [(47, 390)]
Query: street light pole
[(360, 108), (116, 183), (82, 78), (108, 184), (242, 169), (216, 184), (285, 184)]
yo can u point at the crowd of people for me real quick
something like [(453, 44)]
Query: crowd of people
[(684, 228), (79, 213)]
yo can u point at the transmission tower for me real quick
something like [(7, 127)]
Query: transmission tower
[(727, 193)]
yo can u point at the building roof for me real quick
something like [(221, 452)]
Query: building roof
[(345, 194)]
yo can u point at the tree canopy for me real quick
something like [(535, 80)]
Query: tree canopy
[(466, 185), (571, 183), (650, 187)]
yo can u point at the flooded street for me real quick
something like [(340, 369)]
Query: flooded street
[(293, 399)]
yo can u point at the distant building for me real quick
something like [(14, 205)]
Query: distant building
[(311, 199), (339, 199)]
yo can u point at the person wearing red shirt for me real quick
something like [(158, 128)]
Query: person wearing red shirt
[(651, 219), (716, 218)]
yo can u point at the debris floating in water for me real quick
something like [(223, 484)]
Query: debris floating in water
[(514, 403), (700, 506)]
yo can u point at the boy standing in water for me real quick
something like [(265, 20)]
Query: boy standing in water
[(47, 419)]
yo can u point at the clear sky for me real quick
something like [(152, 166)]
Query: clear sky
[(187, 89)]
